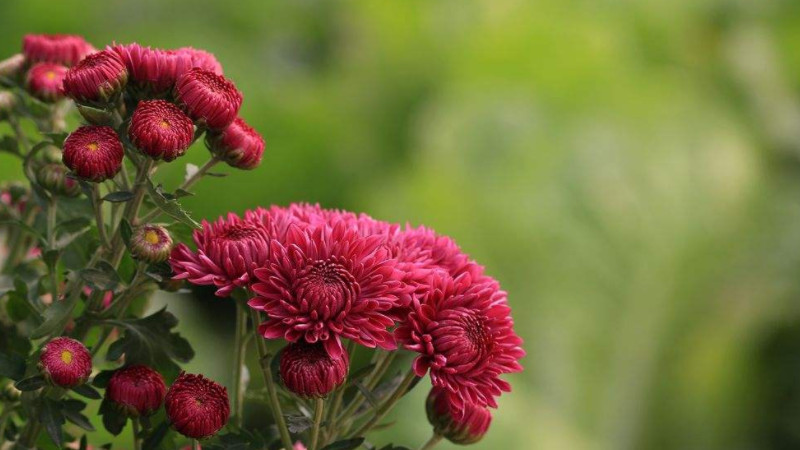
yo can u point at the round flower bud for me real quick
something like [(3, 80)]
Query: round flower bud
[(12, 67), (7, 103), (464, 428), (10, 392), (45, 81), (308, 371), (98, 77), (93, 153), (239, 145), (55, 48), (65, 362), (196, 406), (136, 390), (151, 243), (161, 130), (208, 98), (53, 178)]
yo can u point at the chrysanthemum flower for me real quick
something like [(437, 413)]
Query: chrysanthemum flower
[(151, 243), (464, 427), (55, 48), (308, 371), (53, 177), (65, 362), (464, 334), (149, 69), (325, 283), (161, 130), (208, 98), (196, 406), (228, 251), (98, 77), (200, 59), (45, 81), (136, 390), (239, 145), (93, 153)]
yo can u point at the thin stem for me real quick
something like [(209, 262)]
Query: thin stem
[(387, 405), (338, 397), (52, 210), (318, 410), (19, 132), (132, 209), (186, 185), (137, 445), (264, 358), (8, 408), (240, 344), (382, 363), (195, 444), (431, 442), (97, 202)]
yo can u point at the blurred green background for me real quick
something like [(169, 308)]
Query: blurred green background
[(627, 169)]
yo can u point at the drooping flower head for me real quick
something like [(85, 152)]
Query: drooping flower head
[(325, 283), (464, 334), (65, 362), (208, 98), (196, 406), (465, 426), (136, 390), (239, 145), (228, 251), (63, 49), (161, 130), (308, 371), (93, 153), (98, 77), (45, 81), (151, 243), (53, 178)]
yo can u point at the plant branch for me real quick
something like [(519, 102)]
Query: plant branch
[(240, 345), (388, 404), (318, 410), (431, 442)]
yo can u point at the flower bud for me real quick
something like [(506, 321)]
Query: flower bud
[(7, 103), (12, 67), (97, 78), (65, 362), (10, 393), (239, 145), (53, 177), (210, 99), (196, 406), (63, 49), (93, 153), (45, 81), (460, 427), (151, 243), (136, 390), (308, 371), (161, 130)]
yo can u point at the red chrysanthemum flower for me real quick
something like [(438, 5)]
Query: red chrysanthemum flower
[(308, 371), (200, 59), (65, 362), (196, 406), (98, 77), (228, 251), (239, 145), (151, 243), (464, 427), (55, 48), (45, 81), (136, 390), (150, 69), (208, 98), (464, 333), (161, 130), (325, 283), (93, 153)]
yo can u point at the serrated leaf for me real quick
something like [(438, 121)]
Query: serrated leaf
[(102, 276), (345, 444), (31, 383), (78, 419), (50, 415), (119, 197), (113, 419), (170, 207), (87, 391), (55, 316)]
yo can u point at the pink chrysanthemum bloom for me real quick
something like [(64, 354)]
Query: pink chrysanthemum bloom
[(200, 59), (151, 243), (464, 427), (464, 334), (136, 390), (208, 98), (149, 69), (196, 406), (228, 251), (65, 362), (98, 77), (55, 48), (161, 130), (93, 153), (239, 145), (45, 81), (326, 283), (308, 371)]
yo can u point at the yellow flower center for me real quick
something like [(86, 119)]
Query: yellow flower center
[(151, 237), (93, 146), (66, 356), (164, 124), (50, 75)]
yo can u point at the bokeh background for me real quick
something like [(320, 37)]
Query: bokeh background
[(627, 169)]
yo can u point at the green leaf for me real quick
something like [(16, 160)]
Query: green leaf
[(31, 383), (87, 391), (170, 207), (101, 379), (12, 366), (119, 197), (346, 444), (9, 144), (55, 316), (50, 415), (367, 394), (126, 232), (113, 419), (57, 137), (95, 116), (102, 276), (24, 227), (154, 439), (78, 419), (298, 423)]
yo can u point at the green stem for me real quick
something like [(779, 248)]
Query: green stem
[(264, 359), (8, 408), (431, 442), (22, 138), (195, 444), (52, 210), (338, 397), (318, 410), (387, 405), (382, 364), (29, 435), (186, 185), (240, 344), (97, 203), (137, 445), (132, 209)]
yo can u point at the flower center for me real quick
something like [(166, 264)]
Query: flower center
[(164, 124), (66, 356), (92, 146), (325, 289), (50, 75), (151, 237)]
